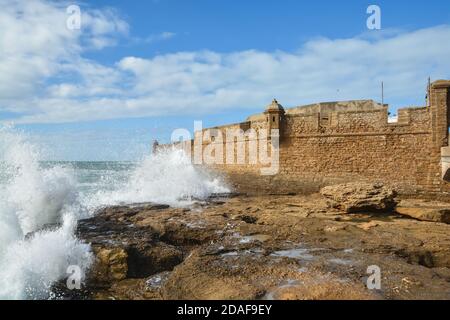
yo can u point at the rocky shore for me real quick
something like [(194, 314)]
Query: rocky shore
[(315, 246)]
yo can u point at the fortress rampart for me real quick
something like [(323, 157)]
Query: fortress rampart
[(330, 143)]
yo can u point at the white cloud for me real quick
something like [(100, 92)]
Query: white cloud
[(36, 45), (44, 73), (159, 37), (154, 38)]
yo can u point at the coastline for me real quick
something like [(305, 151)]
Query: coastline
[(262, 247)]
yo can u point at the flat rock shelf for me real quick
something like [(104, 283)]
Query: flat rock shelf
[(262, 247)]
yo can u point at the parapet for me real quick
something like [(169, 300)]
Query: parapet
[(325, 108), (439, 84), (337, 106)]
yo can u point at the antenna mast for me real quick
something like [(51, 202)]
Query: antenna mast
[(429, 92)]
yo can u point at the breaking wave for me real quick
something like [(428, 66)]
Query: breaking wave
[(167, 177), (32, 198), (41, 204)]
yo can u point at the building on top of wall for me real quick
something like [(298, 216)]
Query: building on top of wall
[(325, 108)]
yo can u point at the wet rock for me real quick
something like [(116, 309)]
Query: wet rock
[(110, 265), (128, 289), (360, 197), (123, 249), (60, 291), (45, 228), (335, 228), (248, 219), (431, 211), (148, 260), (230, 250), (200, 278), (417, 256), (369, 225), (227, 195), (157, 281), (323, 287)]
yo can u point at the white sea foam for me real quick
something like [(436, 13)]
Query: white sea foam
[(30, 267), (32, 196), (167, 177)]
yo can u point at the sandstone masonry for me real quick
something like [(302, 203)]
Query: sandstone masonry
[(329, 143)]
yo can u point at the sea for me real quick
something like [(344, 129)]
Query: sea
[(36, 193)]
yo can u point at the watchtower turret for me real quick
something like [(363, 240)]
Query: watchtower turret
[(274, 115)]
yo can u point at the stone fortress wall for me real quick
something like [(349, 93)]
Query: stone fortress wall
[(329, 143)]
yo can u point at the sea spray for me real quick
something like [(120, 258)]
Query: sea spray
[(167, 177), (40, 204), (31, 198), (30, 267)]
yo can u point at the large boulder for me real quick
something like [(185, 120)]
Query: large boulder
[(360, 197)]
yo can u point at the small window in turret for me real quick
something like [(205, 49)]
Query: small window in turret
[(273, 119)]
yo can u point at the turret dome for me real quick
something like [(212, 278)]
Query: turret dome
[(275, 107)]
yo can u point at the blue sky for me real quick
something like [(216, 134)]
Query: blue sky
[(137, 70), (230, 25)]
